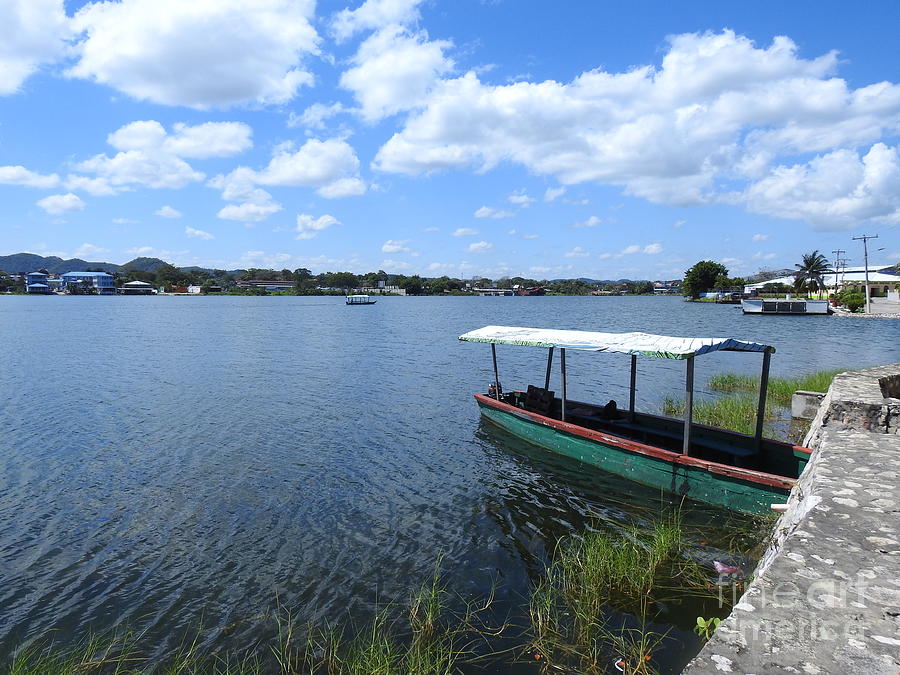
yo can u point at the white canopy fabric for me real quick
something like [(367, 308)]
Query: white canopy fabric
[(641, 344)]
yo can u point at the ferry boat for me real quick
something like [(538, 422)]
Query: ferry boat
[(796, 306), (742, 472), (359, 300)]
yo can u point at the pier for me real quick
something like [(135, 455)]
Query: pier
[(825, 597)]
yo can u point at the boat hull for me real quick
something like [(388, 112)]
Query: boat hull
[(709, 482), (786, 307)]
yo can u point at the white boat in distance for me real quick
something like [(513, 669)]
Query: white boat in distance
[(359, 300), (789, 306)]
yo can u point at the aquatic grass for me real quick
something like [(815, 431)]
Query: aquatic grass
[(735, 412), (779, 389), (98, 653), (733, 382), (597, 575)]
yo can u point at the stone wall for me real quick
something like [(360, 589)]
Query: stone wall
[(825, 598)]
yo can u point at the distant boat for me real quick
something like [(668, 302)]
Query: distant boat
[(789, 306), (531, 290), (360, 300), (738, 471)]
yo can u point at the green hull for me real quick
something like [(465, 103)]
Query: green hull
[(694, 482)]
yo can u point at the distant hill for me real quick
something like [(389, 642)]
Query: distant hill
[(22, 263), (144, 264)]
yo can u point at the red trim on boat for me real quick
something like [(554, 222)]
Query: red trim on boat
[(750, 475)]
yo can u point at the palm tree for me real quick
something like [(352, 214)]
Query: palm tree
[(810, 272)]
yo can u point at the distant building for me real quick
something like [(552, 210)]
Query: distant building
[(268, 285), (883, 280), (101, 281), (381, 289), (36, 282), (137, 288)]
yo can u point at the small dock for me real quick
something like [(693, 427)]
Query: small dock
[(825, 598)]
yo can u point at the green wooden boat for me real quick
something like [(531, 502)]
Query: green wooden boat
[(738, 471)]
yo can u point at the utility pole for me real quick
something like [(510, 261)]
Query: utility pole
[(865, 240), (837, 266)]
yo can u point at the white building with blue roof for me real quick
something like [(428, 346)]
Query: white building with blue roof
[(101, 281), (36, 282)]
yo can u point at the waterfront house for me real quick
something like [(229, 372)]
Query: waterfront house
[(137, 288), (36, 282), (102, 282)]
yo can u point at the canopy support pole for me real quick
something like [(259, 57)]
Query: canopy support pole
[(633, 383), (761, 408), (562, 362), (496, 372), (549, 366), (688, 405)]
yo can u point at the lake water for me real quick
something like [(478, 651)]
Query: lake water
[(167, 462)]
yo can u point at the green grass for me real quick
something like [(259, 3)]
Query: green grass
[(596, 573), (780, 389), (736, 412), (736, 408)]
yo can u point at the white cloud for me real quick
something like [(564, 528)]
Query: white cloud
[(88, 250), (331, 166), (32, 33), (151, 157), (480, 247), (593, 221), (531, 236), (520, 198), (431, 229), (759, 255), (678, 224), (315, 115), (490, 212), (198, 234), (551, 194), (98, 187), (197, 54), (835, 191), (649, 249), (19, 175), (343, 187), (256, 204), (577, 252), (139, 167), (308, 226), (124, 221), (718, 111), (57, 204), (395, 246), (168, 212), (394, 70), (760, 237), (211, 139), (464, 232), (373, 14), (249, 212)]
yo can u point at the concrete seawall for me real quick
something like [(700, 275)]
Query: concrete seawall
[(825, 597)]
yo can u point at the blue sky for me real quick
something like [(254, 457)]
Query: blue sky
[(495, 138)]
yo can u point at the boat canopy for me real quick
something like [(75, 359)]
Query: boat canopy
[(639, 344)]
